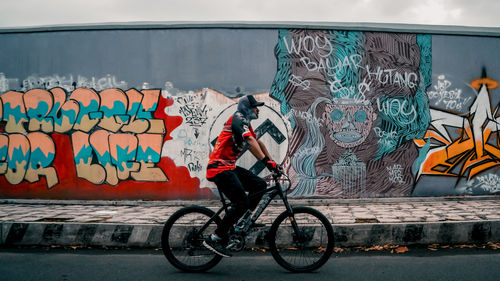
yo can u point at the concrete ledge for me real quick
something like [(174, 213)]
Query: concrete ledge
[(71, 234), (149, 235), (216, 202), (417, 233), (352, 26)]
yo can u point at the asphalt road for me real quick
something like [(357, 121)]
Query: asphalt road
[(140, 264)]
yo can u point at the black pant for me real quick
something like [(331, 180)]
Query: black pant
[(233, 184)]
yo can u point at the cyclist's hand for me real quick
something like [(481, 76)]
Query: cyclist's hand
[(270, 164), (278, 170)]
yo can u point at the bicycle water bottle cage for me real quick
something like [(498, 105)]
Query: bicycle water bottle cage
[(244, 222)]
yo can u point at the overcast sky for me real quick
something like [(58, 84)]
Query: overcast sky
[(20, 13)]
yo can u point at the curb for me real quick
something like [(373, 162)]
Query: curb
[(304, 201), (149, 235)]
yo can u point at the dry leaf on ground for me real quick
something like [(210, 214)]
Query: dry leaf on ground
[(401, 250), (374, 248), (321, 250), (494, 246), (465, 246), (338, 250)]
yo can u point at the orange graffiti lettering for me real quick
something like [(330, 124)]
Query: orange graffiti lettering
[(475, 150)]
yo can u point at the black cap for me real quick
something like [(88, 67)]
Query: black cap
[(254, 102)]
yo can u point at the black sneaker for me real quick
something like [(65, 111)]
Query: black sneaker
[(216, 247)]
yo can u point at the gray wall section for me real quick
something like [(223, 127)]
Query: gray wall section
[(462, 58), (192, 59)]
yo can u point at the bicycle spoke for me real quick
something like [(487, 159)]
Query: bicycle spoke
[(182, 242), (192, 251), (307, 249)]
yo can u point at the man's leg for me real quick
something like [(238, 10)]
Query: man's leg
[(231, 187), (229, 183), (251, 183)]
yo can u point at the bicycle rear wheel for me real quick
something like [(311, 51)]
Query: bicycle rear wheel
[(310, 248), (182, 246)]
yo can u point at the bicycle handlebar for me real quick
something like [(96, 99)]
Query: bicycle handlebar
[(276, 173)]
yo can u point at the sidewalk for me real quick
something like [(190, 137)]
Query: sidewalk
[(357, 222)]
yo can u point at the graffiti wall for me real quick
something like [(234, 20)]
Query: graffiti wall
[(347, 113)]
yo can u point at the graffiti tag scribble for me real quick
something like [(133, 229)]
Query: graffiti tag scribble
[(395, 173), (193, 109), (298, 82), (451, 98), (489, 183), (69, 83)]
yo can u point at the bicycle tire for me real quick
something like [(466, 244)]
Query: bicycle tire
[(317, 240), (181, 248)]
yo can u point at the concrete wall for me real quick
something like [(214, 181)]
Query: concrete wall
[(131, 113)]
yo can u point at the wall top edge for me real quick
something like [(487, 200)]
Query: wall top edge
[(359, 26)]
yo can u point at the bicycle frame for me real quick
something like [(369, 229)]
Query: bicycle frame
[(273, 191)]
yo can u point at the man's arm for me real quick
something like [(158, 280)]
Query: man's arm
[(264, 149), (259, 150), (256, 148)]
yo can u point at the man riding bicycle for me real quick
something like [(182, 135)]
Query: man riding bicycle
[(234, 181)]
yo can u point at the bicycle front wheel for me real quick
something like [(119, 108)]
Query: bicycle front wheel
[(182, 242), (305, 250)]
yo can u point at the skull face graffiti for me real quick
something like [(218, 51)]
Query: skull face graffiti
[(349, 121)]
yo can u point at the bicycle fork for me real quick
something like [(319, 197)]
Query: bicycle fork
[(291, 215)]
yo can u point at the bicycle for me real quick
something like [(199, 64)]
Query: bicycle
[(300, 239)]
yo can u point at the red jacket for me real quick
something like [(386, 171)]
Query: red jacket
[(229, 145)]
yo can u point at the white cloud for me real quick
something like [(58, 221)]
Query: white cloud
[(55, 12), (435, 12)]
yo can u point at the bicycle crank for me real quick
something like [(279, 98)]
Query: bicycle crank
[(236, 243)]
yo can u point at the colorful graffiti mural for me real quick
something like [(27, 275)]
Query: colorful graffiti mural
[(366, 98), (472, 148), (348, 114), (102, 156), (113, 137)]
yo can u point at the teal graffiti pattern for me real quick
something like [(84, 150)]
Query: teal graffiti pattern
[(38, 159), (92, 110), (347, 44), (17, 157), (14, 112), (407, 129), (406, 126), (148, 156), (39, 112), (283, 74), (84, 155), (124, 157)]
